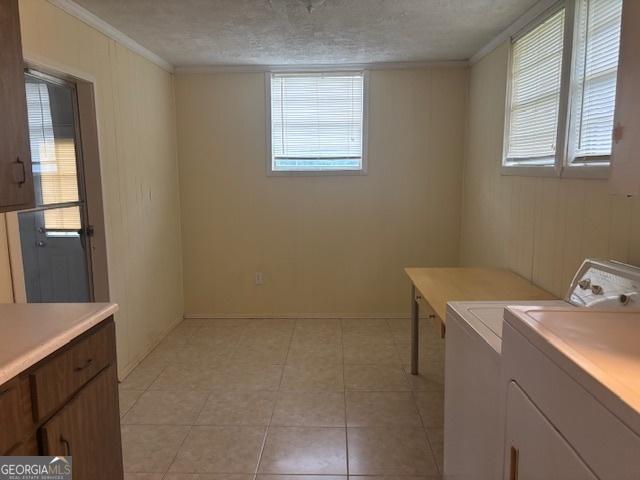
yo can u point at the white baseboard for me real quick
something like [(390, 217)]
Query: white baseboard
[(127, 369), (295, 316)]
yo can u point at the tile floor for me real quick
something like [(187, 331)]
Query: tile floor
[(285, 400)]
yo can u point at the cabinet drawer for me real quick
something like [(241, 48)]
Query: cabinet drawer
[(63, 375), (15, 413)]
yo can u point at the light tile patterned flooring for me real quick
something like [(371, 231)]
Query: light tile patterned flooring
[(285, 400)]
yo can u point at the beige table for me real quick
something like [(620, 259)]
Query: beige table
[(437, 286)]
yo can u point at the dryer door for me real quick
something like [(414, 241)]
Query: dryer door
[(534, 449)]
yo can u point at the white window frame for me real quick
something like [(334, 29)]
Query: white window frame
[(563, 165), (365, 126)]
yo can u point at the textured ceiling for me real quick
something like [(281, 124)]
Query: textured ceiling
[(281, 32)]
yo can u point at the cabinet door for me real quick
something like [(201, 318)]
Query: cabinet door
[(16, 179), (625, 174), (534, 449), (15, 413), (88, 429)]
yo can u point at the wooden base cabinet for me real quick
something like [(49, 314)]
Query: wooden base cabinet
[(87, 429), (71, 404)]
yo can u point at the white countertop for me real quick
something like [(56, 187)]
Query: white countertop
[(30, 332), (599, 349)]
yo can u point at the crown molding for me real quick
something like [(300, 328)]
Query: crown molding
[(110, 31), (317, 67), (529, 16)]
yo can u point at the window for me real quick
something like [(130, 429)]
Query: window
[(562, 89), (597, 48), (536, 69), (317, 122)]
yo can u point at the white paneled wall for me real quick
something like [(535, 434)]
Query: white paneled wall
[(136, 123), (326, 245), (542, 228)]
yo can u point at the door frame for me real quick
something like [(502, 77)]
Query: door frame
[(89, 169)]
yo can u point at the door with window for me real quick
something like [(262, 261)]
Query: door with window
[(54, 236)]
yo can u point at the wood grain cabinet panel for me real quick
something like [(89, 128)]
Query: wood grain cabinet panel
[(88, 429), (15, 413), (67, 372), (16, 179), (27, 448)]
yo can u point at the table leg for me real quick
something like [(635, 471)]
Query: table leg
[(415, 330)]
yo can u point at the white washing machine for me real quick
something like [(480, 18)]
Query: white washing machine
[(473, 362)]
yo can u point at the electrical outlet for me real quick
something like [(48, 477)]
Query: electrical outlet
[(259, 279)]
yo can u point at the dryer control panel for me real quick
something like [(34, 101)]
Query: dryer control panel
[(605, 284)]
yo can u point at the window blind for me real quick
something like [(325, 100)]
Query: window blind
[(53, 159), (536, 71), (317, 121), (597, 48)]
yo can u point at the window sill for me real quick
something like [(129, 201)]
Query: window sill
[(314, 173), (530, 170), (588, 172)]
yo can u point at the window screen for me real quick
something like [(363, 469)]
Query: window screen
[(536, 71), (317, 121), (597, 48)]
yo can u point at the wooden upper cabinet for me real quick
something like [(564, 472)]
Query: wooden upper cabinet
[(625, 174), (16, 179)]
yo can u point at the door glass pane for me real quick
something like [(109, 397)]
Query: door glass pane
[(51, 116), (62, 219), (54, 259)]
